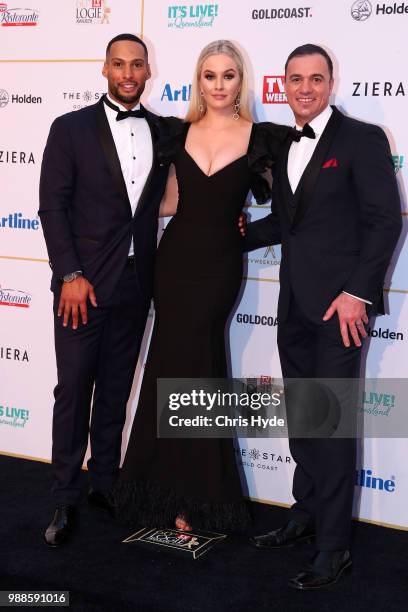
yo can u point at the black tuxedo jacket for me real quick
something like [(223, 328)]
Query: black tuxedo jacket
[(84, 207), (339, 229)]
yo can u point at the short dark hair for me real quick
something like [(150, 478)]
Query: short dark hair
[(311, 49), (130, 37)]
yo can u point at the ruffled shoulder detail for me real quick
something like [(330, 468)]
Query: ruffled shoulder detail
[(265, 147), (170, 137)]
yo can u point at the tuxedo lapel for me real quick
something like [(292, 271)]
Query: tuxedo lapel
[(109, 149), (305, 188)]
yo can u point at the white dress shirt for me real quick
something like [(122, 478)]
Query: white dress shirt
[(300, 153), (133, 142)]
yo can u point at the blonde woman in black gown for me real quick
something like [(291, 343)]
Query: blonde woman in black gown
[(217, 155)]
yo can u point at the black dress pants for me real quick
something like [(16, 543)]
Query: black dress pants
[(323, 483), (95, 363)]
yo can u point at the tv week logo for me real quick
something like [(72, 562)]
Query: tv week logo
[(274, 90)]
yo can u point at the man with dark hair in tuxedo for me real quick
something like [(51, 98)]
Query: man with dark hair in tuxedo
[(336, 212), (100, 191)]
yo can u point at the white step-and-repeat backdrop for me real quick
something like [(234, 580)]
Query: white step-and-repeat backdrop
[(50, 63)]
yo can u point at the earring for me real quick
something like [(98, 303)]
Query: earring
[(237, 106), (201, 105)]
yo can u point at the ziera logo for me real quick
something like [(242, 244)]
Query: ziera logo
[(274, 90), (176, 95), (378, 89), (18, 16), (192, 16), (15, 297), (92, 11), (365, 478), (17, 157)]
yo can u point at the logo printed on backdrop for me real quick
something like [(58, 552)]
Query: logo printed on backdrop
[(92, 12), (176, 95), (15, 297), (79, 99), (261, 460), (17, 157), (18, 16), (377, 404), (18, 98), (378, 88), (268, 258), (282, 13), (14, 417), (398, 162), (16, 221), (384, 334), (191, 15), (361, 10), (274, 90), (255, 319), (365, 478), (14, 354)]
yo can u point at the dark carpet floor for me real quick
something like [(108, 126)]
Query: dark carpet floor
[(102, 574)]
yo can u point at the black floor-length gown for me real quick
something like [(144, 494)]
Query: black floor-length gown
[(197, 279)]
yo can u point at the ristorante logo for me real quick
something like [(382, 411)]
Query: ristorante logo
[(15, 297), (13, 417), (274, 90), (16, 221), (18, 98), (14, 354), (170, 94), (377, 89), (192, 15), (282, 13), (17, 157), (362, 9), (365, 478), (18, 16), (92, 11)]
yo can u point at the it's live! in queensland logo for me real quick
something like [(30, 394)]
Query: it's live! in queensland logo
[(274, 90), (11, 17), (191, 15), (13, 417)]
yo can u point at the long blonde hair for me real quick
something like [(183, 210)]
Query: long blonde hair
[(215, 48)]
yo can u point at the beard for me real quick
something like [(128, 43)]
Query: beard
[(126, 98)]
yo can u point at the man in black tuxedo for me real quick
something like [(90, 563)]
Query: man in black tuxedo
[(336, 212), (100, 191)]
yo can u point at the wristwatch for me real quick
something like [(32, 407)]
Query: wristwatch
[(68, 278)]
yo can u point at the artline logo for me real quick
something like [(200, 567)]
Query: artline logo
[(92, 11), (270, 257), (13, 417), (176, 95), (384, 334), (252, 319), (282, 13), (18, 222), (398, 162), (15, 297), (13, 354), (365, 478), (18, 16), (362, 9), (378, 404), (261, 460), (16, 157), (192, 15), (377, 89), (17, 98), (274, 90)]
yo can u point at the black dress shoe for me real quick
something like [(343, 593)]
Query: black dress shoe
[(103, 500), (60, 528), (290, 534), (324, 570)]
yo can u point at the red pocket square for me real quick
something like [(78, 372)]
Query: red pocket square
[(331, 163)]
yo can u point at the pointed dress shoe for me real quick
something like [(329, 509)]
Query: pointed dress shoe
[(103, 500), (290, 534), (60, 528), (325, 569)]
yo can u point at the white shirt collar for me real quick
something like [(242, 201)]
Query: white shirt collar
[(120, 106), (319, 123)]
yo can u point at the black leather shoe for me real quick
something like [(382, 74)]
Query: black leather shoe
[(324, 570), (290, 534), (60, 528), (103, 500)]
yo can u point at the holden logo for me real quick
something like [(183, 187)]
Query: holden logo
[(361, 10), (4, 98)]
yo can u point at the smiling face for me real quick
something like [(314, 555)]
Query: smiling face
[(127, 71), (220, 82), (308, 86)]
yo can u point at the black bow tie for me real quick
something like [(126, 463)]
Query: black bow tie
[(140, 113), (307, 131)]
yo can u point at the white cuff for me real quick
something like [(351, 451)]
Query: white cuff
[(358, 298)]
